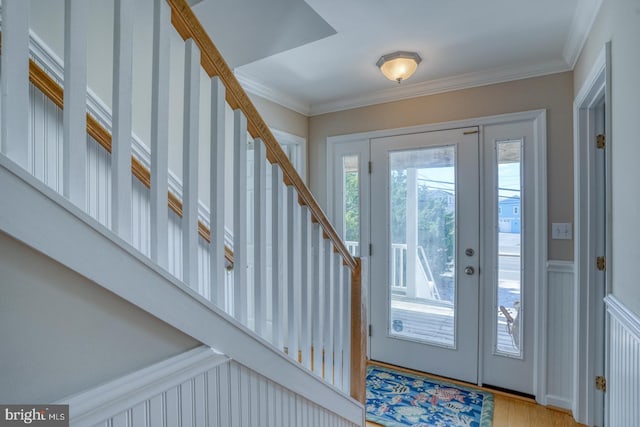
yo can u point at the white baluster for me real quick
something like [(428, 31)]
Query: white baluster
[(260, 236), (15, 80), (216, 210), (293, 256), (159, 230), (75, 102), (190, 144), (122, 110), (240, 301), (317, 317), (346, 327), (277, 254), (337, 318), (306, 283), (328, 310)]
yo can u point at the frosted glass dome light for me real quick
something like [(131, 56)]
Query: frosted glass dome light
[(399, 66)]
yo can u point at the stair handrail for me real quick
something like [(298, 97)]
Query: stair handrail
[(55, 93), (188, 26)]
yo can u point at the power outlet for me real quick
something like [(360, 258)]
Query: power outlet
[(561, 231)]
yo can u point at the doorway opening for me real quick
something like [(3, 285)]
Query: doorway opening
[(454, 217), (592, 118)]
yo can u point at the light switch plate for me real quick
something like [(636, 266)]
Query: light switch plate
[(561, 231)]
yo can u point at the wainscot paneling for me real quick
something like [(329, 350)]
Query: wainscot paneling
[(197, 388), (623, 377), (560, 333)]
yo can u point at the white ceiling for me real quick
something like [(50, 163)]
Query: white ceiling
[(288, 51)]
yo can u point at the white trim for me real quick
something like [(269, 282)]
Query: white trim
[(51, 62), (100, 403), (540, 219), (253, 87), (35, 206), (540, 257), (591, 92), (406, 91), (591, 85), (446, 84), (583, 19), (454, 124), (554, 266), (300, 144), (558, 402), (623, 315)]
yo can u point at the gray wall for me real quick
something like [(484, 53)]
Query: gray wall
[(61, 333), (554, 92), (619, 22)]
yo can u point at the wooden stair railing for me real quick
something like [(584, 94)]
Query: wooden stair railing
[(52, 90), (55, 93), (187, 25)]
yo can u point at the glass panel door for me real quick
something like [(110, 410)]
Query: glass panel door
[(510, 246), (424, 263), (422, 245)]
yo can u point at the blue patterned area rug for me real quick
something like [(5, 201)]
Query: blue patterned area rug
[(399, 399)]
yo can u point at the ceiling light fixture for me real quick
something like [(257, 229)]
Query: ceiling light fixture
[(399, 66)]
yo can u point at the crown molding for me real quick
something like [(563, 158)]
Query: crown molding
[(447, 84), (404, 91), (253, 87), (583, 19)]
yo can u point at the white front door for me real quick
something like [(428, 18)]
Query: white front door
[(425, 263), (453, 271)]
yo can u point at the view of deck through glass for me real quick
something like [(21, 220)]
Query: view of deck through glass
[(351, 203), (509, 238), (422, 195)]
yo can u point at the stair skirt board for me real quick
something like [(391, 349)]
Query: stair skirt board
[(199, 387), (35, 205)]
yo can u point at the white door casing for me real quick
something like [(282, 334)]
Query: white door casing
[(592, 201)]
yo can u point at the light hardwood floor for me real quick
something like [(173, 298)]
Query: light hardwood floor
[(514, 411)]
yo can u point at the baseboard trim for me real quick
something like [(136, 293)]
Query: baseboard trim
[(559, 403)]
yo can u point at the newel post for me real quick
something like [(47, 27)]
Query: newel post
[(358, 335)]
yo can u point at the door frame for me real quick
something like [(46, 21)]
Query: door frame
[(539, 119), (587, 332)]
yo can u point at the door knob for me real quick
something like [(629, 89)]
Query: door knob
[(468, 270)]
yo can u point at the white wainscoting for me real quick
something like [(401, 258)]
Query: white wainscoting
[(560, 333), (197, 388), (45, 163), (623, 377)]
